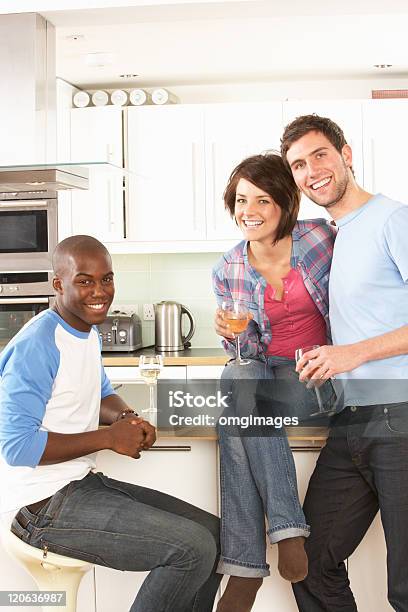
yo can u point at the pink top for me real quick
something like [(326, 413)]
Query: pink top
[(295, 320)]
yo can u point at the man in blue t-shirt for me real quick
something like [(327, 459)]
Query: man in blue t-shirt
[(53, 395), (364, 465)]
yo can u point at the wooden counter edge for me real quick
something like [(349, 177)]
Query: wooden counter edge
[(168, 361)]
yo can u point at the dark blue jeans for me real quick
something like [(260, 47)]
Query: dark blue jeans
[(127, 527), (362, 468)]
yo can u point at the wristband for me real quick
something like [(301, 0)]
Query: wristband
[(123, 414)]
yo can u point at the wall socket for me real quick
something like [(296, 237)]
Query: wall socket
[(125, 308), (148, 312)]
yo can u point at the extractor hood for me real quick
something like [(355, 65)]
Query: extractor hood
[(28, 112), (53, 177), (43, 177)]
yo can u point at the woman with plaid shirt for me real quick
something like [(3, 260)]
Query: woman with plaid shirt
[(280, 271)]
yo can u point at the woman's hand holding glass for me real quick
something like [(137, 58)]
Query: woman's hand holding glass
[(236, 317), (222, 327)]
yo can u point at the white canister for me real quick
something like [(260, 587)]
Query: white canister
[(138, 97), (100, 98), (119, 97), (163, 96), (81, 99)]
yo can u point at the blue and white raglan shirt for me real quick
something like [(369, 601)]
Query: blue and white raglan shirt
[(51, 379)]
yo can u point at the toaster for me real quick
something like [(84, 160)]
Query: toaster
[(121, 331)]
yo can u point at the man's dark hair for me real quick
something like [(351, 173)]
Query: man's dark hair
[(311, 123), (267, 172)]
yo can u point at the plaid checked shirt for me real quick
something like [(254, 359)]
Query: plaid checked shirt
[(234, 278)]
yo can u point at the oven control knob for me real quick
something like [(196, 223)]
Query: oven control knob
[(13, 288), (1, 288)]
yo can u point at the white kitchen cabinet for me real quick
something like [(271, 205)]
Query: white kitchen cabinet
[(96, 136), (385, 129), (189, 473), (167, 184), (182, 157), (348, 115), (203, 372), (276, 595), (232, 133)]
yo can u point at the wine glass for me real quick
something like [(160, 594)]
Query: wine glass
[(315, 384), (149, 369), (237, 315)]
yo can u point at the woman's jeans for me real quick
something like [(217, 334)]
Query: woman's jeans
[(127, 527), (258, 475)]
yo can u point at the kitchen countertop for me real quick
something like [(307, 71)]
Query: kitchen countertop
[(191, 356), (300, 438)]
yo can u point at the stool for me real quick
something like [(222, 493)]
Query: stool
[(50, 571)]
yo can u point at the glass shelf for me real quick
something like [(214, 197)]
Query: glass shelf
[(54, 177)]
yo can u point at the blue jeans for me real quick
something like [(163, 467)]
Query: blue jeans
[(127, 527), (258, 474)]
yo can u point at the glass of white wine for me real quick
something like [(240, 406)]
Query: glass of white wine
[(237, 315), (149, 369), (329, 410)]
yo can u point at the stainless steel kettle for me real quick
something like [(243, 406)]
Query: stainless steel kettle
[(168, 334)]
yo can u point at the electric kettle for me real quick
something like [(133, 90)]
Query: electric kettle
[(168, 319)]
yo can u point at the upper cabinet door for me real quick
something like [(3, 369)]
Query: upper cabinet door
[(348, 115), (96, 136), (385, 129), (166, 184), (232, 133)]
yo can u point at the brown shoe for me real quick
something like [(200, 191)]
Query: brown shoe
[(293, 562), (239, 595)]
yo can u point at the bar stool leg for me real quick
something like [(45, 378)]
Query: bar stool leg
[(50, 577)]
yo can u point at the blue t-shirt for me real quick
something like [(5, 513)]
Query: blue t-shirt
[(51, 379), (368, 295)]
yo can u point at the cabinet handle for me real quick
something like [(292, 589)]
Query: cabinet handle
[(161, 447), (214, 205), (193, 169), (111, 220), (372, 147), (309, 449)]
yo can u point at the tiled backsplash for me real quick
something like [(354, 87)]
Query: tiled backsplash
[(181, 277)]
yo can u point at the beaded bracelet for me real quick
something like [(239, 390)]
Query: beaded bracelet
[(123, 414)]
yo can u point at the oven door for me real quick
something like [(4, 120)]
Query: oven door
[(28, 234), (16, 312)]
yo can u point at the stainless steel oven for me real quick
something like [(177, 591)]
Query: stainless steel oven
[(28, 231), (23, 295)]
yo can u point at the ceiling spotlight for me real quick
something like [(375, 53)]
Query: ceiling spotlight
[(98, 60), (75, 37), (128, 76), (382, 65)]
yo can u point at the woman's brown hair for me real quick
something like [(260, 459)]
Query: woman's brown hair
[(269, 173)]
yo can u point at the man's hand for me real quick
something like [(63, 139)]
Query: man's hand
[(222, 327), (324, 362), (130, 435)]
